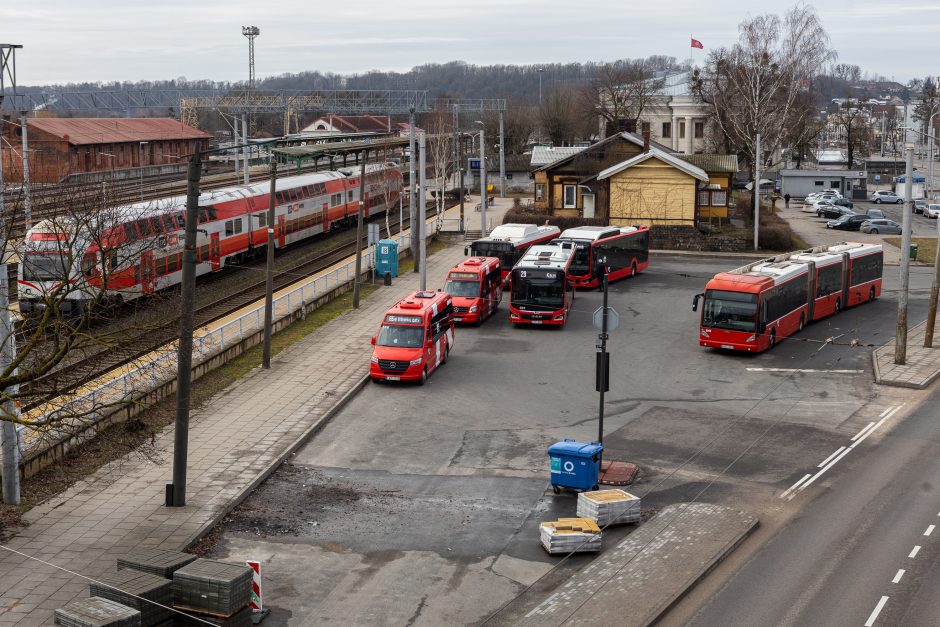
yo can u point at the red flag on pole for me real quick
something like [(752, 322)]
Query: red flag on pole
[(697, 44)]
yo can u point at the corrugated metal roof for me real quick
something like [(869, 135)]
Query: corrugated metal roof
[(713, 163), (544, 155), (82, 131)]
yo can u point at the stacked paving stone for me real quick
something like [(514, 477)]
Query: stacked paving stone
[(609, 507), (207, 588), (570, 535), (137, 589), (97, 612), (160, 562)]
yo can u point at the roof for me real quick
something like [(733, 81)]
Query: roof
[(320, 150), (354, 123), (630, 137), (655, 153), (674, 84), (593, 233), (713, 163), (514, 163), (545, 155), (82, 131)]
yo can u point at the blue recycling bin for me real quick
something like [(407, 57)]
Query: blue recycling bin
[(386, 257), (574, 464)]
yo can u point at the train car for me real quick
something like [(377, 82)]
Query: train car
[(127, 252)]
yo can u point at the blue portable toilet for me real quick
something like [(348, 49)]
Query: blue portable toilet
[(574, 464), (386, 257)]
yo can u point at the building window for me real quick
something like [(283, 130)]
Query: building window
[(835, 184), (539, 192), (703, 198), (667, 130), (682, 130), (699, 130), (570, 196), (719, 198), (819, 183)]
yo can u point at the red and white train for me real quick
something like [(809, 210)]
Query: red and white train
[(128, 252)]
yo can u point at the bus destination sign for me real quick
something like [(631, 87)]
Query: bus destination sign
[(463, 275), (394, 319)]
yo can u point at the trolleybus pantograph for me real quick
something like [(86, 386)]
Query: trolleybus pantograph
[(753, 307)]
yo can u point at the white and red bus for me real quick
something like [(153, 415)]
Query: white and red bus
[(130, 251), (755, 306), (415, 338), (476, 284), (509, 242), (541, 290), (623, 250)]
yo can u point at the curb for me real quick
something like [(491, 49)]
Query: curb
[(276, 463)]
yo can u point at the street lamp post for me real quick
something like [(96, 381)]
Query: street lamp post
[(540, 70), (140, 169), (482, 178)]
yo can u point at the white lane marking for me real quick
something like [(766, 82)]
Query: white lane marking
[(898, 576), (874, 614), (806, 370), (795, 486), (929, 530), (827, 467), (914, 552), (828, 459), (888, 415), (860, 433)]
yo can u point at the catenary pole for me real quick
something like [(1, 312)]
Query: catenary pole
[(362, 199), (900, 340), (483, 182), (932, 306), (269, 272), (27, 197), (757, 192), (502, 159), (422, 218), (411, 185), (185, 359), (245, 146), (10, 437)]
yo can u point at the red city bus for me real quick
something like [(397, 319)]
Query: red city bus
[(624, 250), (476, 285), (752, 307), (541, 291), (509, 242), (415, 338)]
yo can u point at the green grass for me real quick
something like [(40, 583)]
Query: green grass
[(927, 247)]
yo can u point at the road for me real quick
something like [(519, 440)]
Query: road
[(421, 504), (854, 544)]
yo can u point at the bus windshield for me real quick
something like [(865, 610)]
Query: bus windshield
[(735, 311), (504, 251), (466, 289), (538, 293), (400, 336)]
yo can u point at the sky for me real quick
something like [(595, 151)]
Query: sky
[(105, 40)]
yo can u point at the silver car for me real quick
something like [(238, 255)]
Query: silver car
[(881, 225), (886, 196)]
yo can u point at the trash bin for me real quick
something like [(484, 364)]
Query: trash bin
[(574, 464), (386, 257), (914, 248)]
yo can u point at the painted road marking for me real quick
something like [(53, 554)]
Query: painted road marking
[(874, 614), (827, 467), (914, 552), (929, 530), (898, 576), (806, 370), (795, 486), (862, 432), (828, 459)]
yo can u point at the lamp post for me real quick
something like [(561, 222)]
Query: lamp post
[(140, 169), (540, 70), (482, 178)]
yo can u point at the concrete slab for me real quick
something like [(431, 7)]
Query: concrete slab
[(643, 576)]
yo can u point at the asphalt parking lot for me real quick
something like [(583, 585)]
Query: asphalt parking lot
[(420, 505)]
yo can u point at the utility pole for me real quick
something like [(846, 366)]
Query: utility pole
[(185, 359), (9, 437), (411, 185), (362, 200), (482, 180), (235, 140), (900, 340), (756, 191), (540, 70), (422, 218), (502, 160), (603, 362), (932, 306), (269, 273), (245, 145), (27, 200)]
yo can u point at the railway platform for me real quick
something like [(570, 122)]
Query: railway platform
[(236, 440)]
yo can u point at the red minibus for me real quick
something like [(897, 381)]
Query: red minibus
[(541, 291), (415, 338), (509, 242), (753, 307), (623, 250), (476, 285)]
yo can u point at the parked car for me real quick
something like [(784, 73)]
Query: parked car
[(919, 205), (875, 213), (882, 196), (848, 223), (881, 226), (932, 211), (843, 202), (817, 197), (834, 212)]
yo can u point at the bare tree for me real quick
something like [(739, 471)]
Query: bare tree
[(853, 124), (558, 116), (621, 92), (755, 86), (928, 106), (519, 122)]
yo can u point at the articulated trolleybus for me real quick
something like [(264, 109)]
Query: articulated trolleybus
[(509, 242), (623, 250), (476, 284), (541, 290), (755, 306)]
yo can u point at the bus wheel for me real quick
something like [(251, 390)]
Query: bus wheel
[(773, 338), (837, 307), (802, 322), (376, 380), (446, 355), (424, 377), (633, 270), (871, 294)]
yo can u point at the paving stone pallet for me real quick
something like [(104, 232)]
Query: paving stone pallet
[(134, 588), (567, 535), (212, 587), (97, 612), (160, 562), (609, 507)]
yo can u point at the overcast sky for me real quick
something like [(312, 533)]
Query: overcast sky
[(103, 40)]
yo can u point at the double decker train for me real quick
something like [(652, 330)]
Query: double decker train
[(128, 252)]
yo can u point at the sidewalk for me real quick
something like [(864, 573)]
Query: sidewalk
[(235, 442), (922, 365)]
